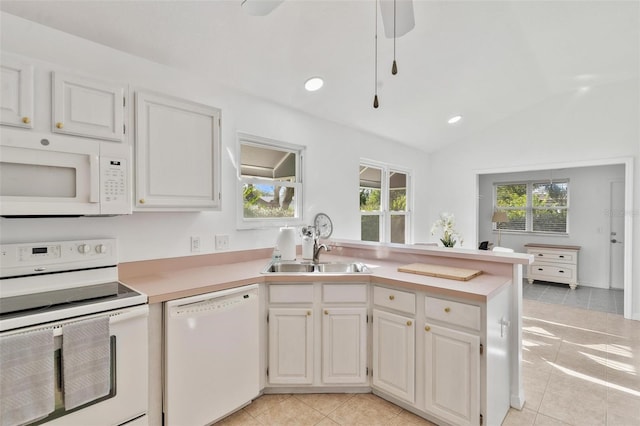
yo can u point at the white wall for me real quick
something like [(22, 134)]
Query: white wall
[(331, 172), (599, 124), (589, 199)]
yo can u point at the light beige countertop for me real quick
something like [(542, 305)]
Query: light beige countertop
[(161, 282)]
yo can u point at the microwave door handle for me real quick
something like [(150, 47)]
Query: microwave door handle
[(94, 170)]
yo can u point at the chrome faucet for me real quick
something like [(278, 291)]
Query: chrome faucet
[(317, 247)]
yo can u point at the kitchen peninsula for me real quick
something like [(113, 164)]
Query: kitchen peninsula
[(454, 334)]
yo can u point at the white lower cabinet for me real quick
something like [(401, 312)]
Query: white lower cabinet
[(290, 346), (452, 374), (317, 334), (394, 354), (453, 369), (344, 345)]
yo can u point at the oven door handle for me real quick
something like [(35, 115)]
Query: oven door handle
[(138, 311)]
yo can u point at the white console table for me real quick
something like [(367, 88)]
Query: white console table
[(555, 263)]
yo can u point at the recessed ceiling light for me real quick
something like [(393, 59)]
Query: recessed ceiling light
[(313, 84), (454, 119)]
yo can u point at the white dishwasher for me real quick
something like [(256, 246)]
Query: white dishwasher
[(211, 355)]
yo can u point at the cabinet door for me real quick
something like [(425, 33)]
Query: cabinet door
[(86, 107), (16, 102), (177, 154), (290, 346), (452, 375), (394, 354), (344, 345)]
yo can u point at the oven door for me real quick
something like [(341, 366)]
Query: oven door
[(127, 400), (48, 175)]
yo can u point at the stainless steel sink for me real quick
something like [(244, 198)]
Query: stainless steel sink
[(289, 267), (344, 268), (320, 268)]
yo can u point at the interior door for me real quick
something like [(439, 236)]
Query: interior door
[(616, 240)]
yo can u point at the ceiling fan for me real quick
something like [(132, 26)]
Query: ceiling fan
[(404, 19)]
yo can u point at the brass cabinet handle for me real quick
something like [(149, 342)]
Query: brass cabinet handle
[(409, 323), (447, 309), (141, 200), (391, 297), (59, 125), (308, 313), (26, 120), (427, 328), (326, 312)]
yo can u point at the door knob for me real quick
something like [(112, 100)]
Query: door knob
[(613, 240)]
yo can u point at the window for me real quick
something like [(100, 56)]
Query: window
[(384, 207), (541, 207), (270, 183)]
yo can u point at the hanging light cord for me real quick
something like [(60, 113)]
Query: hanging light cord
[(375, 97), (394, 67)]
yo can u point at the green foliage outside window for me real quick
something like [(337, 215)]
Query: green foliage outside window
[(369, 199), (255, 206), (547, 206)]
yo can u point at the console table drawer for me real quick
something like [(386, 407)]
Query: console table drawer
[(554, 256), (553, 272)]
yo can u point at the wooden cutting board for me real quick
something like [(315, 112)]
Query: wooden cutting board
[(440, 271)]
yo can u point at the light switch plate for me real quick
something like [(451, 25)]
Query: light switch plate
[(222, 242), (195, 244)]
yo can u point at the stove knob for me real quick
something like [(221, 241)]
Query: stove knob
[(101, 248), (84, 248)]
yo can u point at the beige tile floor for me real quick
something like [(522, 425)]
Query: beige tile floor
[(322, 410), (580, 368)]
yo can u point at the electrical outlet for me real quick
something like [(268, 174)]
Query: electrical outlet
[(195, 244), (222, 242)]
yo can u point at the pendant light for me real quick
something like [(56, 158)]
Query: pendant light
[(394, 67), (375, 96)]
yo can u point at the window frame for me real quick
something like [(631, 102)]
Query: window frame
[(530, 208), (298, 184), (385, 213)]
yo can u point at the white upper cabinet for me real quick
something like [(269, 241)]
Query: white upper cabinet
[(87, 107), (177, 152), (16, 98)]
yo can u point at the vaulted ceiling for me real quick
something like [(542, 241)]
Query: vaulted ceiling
[(485, 60)]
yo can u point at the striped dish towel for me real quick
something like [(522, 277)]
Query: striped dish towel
[(26, 377), (86, 361)]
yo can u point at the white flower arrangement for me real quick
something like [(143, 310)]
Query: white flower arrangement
[(446, 225)]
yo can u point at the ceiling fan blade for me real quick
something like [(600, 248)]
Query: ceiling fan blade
[(260, 7), (404, 17)]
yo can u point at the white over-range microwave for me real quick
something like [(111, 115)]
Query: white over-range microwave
[(51, 175)]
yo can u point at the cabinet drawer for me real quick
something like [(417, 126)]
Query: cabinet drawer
[(344, 293), (291, 293), (453, 312), (554, 256), (553, 272), (395, 299)]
